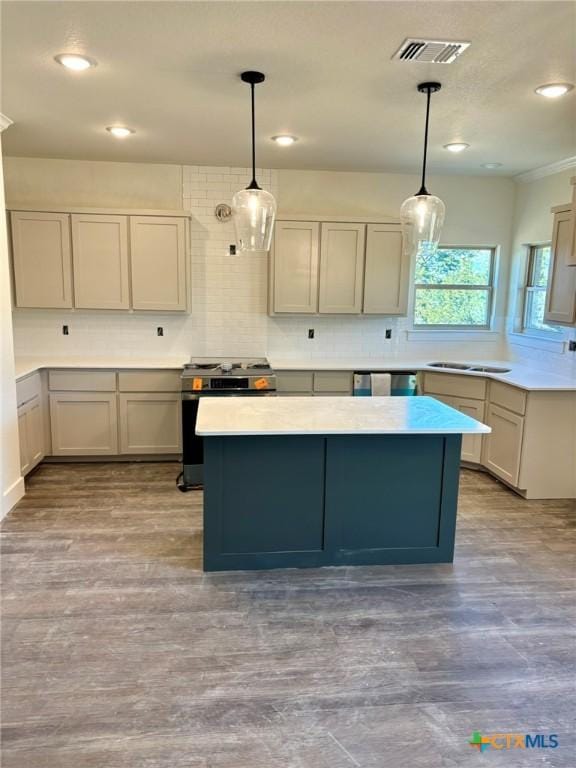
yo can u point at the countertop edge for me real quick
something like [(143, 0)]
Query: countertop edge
[(517, 378)]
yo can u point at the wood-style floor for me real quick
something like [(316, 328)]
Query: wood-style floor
[(120, 653)]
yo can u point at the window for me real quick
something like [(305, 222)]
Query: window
[(454, 288), (535, 290)]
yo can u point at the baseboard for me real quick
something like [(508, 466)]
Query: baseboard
[(12, 496)]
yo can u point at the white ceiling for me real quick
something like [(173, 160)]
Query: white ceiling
[(170, 70)]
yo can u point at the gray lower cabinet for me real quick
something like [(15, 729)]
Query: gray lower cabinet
[(503, 447), (31, 434), (150, 422), (317, 383), (108, 413), (84, 423)]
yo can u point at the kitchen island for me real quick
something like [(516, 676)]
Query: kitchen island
[(315, 481)]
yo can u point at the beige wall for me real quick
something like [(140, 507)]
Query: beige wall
[(38, 181), (533, 222), (12, 484)]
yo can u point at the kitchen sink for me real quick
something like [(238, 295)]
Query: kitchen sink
[(456, 366), (489, 369), (470, 367)]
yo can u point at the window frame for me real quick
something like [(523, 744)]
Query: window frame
[(528, 288), (488, 288)]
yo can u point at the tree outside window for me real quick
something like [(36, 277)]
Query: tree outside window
[(453, 288)]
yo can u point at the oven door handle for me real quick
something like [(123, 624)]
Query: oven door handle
[(190, 396)]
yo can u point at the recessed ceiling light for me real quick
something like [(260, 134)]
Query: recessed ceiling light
[(491, 165), (456, 146), (554, 90), (75, 61), (120, 131), (284, 140)]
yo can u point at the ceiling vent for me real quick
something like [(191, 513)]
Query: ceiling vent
[(430, 51)]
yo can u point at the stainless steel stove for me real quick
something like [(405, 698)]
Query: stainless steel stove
[(231, 377), (210, 376)]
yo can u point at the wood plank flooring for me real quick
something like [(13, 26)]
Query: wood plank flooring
[(118, 652)]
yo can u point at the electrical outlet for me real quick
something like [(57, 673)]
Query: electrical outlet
[(388, 333), (65, 330), (160, 331), (232, 249), (310, 333), (572, 346)]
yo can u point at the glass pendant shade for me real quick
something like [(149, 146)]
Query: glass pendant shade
[(422, 218), (254, 213)]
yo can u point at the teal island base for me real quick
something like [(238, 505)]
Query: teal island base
[(304, 501)]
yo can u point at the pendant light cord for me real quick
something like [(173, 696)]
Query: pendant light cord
[(423, 190), (253, 184)]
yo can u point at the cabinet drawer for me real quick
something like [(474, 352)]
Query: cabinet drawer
[(28, 388), (458, 386), (82, 381), (336, 382), (294, 381), (149, 381), (504, 395)]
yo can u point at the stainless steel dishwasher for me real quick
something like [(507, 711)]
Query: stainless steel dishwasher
[(402, 383)]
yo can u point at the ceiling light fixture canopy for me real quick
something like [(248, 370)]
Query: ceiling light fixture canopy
[(254, 208), (75, 61), (120, 131), (456, 146), (422, 215), (554, 90), (284, 139)]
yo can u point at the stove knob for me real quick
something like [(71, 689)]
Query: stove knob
[(226, 367)]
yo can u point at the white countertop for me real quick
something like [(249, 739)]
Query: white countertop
[(235, 416), (519, 376), (28, 365)]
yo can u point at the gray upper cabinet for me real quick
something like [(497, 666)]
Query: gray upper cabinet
[(561, 290), (158, 262), (338, 268), (100, 257), (341, 268), (294, 267), (42, 259), (386, 271)]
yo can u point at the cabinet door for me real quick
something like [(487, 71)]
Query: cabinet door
[(31, 434), (158, 262), (150, 423), (561, 290), (503, 447), (294, 273), (100, 257), (471, 444), (84, 423), (42, 261), (386, 272), (341, 268), (25, 462)]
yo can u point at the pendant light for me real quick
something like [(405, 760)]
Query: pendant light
[(422, 215), (254, 209)]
